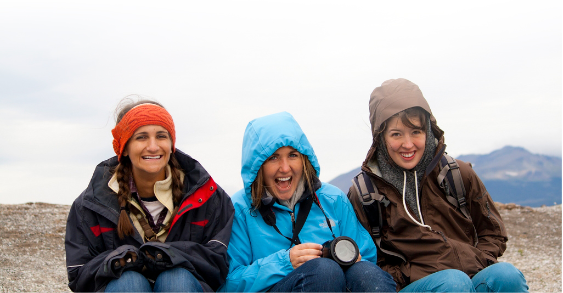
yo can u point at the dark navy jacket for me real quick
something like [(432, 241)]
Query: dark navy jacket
[(197, 239)]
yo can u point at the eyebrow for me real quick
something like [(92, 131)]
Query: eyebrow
[(145, 133)]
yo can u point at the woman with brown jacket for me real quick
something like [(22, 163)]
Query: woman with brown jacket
[(433, 246)]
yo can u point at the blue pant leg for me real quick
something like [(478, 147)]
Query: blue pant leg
[(442, 281), (365, 276), (130, 281), (500, 277), (177, 280), (316, 275)]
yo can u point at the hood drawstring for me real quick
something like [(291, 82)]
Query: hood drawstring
[(421, 223)]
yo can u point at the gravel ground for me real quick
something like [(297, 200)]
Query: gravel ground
[(32, 255), (534, 245)]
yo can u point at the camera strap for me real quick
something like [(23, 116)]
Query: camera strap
[(301, 218), (270, 218)]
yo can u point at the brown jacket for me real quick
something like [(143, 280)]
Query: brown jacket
[(449, 244)]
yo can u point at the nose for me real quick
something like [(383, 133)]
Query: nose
[(284, 166), (407, 143), (152, 145)]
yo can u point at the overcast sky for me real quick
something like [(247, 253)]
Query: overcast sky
[(490, 70)]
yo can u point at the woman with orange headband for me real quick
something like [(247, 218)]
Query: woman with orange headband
[(151, 219)]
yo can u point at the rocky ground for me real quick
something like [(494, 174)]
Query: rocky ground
[(32, 255)]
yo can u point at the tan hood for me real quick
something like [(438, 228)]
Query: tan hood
[(392, 97)]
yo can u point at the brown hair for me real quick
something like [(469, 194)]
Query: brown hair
[(406, 115), (124, 170), (258, 188)]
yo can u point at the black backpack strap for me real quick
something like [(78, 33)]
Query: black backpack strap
[(449, 170), (371, 201)]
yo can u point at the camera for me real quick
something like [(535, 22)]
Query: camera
[(343, 250)]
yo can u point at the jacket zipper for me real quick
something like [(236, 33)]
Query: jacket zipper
[(185, 198), (491, 214), (292, 222)]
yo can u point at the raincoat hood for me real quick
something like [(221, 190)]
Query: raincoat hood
[(392, 97), (263, 136)]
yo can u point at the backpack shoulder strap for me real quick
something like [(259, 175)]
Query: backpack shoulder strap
[(371, 201), (449, 170)]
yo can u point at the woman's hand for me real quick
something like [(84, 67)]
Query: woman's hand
[(299, 254), (359, 257), (130, 257)]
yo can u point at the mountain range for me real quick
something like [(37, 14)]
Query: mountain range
[(511, 175)]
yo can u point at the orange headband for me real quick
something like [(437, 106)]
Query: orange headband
[(141, 115)]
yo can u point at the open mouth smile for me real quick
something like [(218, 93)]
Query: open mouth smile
[(408, 156), (283, 183), (151, 157)]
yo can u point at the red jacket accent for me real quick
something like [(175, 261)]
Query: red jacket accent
[(201, 223), (197, 199), (97, 230)]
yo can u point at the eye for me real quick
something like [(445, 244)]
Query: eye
[(162, 136), (395, 134), (417, 132), (140, 137), (293, 155), (273, 158)]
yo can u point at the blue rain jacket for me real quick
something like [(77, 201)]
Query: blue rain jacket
[(258, 255)]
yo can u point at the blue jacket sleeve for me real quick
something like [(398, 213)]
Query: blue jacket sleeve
[(246, 275)]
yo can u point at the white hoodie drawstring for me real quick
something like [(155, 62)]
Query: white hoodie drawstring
[(417, 201)]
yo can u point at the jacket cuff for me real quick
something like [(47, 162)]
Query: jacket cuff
[(111, 266), (159, 256)]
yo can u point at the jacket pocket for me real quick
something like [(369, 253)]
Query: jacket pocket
[(470, 259)]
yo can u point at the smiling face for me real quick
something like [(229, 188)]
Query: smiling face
[(405, 145), (149, 150), (282, 172)]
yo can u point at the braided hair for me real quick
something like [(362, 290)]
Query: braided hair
[(124, 171)]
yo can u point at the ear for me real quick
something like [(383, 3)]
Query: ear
[(125, 153)]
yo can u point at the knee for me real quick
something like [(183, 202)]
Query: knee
[(326, 270), (365, 276), (504, 271), (132, 276), (176, 280), (367, 270), (453, 281), (129, 281), (502, 277)]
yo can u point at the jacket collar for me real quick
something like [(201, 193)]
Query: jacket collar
[(100, 198)]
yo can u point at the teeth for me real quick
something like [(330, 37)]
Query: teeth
[(408, 155), (151, 157), (284, 179)]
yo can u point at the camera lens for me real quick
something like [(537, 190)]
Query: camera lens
[(343, 250)]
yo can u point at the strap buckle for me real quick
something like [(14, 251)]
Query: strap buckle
[(152, 238), (375, 231), (385, 201), (453, 164)]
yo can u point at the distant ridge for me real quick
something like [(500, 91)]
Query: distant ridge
[(510, 174), (514, 163)]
